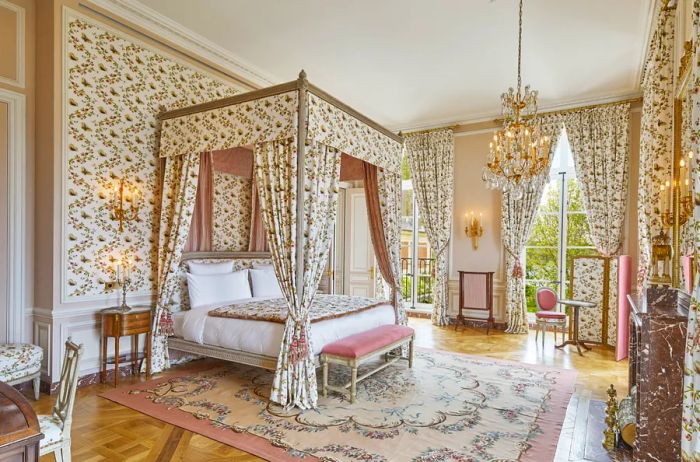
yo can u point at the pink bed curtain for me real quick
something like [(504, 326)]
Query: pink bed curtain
[(258, 238), (200, 236), (376, 226)]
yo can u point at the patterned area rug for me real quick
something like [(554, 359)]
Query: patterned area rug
[(449, 407)]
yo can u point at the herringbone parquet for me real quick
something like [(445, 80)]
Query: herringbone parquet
[(105, 431)]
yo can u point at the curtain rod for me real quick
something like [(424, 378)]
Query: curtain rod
[(456, 128)]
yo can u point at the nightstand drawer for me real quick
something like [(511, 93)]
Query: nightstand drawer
[(135, 324)]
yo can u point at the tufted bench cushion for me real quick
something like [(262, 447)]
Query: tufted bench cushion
[(19, 360)]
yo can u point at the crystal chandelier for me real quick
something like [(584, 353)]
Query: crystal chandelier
[(518, 152)]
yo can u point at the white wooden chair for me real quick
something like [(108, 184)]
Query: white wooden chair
[(56, 427)]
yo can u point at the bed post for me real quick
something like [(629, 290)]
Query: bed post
[(302, 85)]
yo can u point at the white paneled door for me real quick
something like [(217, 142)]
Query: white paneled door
[(359, 254)]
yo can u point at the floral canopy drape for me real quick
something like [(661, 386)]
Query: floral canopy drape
[(298, 202), (431, 159)]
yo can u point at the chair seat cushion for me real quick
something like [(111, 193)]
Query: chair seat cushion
[(51, 428), (355, 346), (19, 356), (550, 315)]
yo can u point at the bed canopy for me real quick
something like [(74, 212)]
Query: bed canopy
[(298, 133)]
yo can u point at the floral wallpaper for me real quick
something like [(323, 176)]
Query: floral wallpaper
[(114, 89), (231, 212)]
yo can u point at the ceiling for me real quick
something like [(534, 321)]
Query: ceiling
[(415, 63)]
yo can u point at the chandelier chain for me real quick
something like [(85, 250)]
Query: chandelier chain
[(520, 42)]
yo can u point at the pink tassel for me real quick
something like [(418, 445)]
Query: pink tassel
[(165, 323)]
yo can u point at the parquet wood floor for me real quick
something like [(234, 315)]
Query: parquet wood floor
[(105, 431)]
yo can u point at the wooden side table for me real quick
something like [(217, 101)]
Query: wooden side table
[(116, 323)]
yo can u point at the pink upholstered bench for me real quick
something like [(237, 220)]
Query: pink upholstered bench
[(352, 351)]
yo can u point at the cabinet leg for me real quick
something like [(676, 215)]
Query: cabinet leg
[(103, 370), (135, 354), (148, 355), (116, 361)]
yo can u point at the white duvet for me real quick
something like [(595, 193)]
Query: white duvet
[(263, 337)]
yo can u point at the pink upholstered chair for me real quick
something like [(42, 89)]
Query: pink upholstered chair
[(546, 300)]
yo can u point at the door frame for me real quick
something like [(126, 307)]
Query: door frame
[(16, 216)]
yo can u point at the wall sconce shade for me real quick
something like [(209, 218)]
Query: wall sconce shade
[(474, 228)]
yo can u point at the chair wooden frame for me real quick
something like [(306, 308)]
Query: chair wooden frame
[(354, 363), (542, 323), (63, 408)]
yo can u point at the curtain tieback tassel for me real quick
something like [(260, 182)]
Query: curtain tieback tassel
[(299, 349), (165, 323)]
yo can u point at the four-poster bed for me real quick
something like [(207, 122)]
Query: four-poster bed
[(298, 133)]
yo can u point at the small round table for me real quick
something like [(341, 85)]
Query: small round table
[(117, 323), (576, 304)]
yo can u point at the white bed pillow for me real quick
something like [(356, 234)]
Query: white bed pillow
[(264, 282), (210, 268), (213, 289), (266, 266)]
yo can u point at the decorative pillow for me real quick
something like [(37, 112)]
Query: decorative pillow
[(265, 283), (220, 267), (212, 289), (260, 266)]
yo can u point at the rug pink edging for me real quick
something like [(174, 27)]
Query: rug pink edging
[(542, 448), (246, 442)]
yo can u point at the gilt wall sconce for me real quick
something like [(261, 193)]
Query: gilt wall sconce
[(126, 201), (474, 228)]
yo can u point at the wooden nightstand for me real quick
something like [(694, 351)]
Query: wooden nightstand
[(118, 324)]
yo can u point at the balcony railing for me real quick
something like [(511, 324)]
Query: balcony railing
[(424, 279)]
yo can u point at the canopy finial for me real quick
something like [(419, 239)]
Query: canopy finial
[(302, 75)]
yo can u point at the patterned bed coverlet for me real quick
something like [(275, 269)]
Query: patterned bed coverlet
[(324, 306)]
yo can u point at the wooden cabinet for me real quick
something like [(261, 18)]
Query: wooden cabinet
[(117, 324), (19, 428)]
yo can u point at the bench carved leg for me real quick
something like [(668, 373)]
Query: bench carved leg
[(325, 376), (410, 352), (353, 384)]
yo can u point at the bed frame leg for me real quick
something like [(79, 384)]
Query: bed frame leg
[(325, 376)]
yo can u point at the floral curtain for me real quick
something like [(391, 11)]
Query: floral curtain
[(389, 184), (600, 145), (431, 159), (277, 175), (178, 198), (656, 144), (517, 218), (690, 441)]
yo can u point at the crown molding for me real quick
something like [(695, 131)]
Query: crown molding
[(167, 31), (491, 116)]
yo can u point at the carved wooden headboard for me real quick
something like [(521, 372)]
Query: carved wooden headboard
[(241, 260)]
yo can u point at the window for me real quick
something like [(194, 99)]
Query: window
[(416, 273), (560, 230)]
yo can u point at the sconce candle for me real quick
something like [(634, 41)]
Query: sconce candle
[(125, 193), (474, 228)]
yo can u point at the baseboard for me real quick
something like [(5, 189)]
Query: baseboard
[(84, 381)]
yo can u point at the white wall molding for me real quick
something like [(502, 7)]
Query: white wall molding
[(19, 81), (169, 32), (42, 337), (16, 219)]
